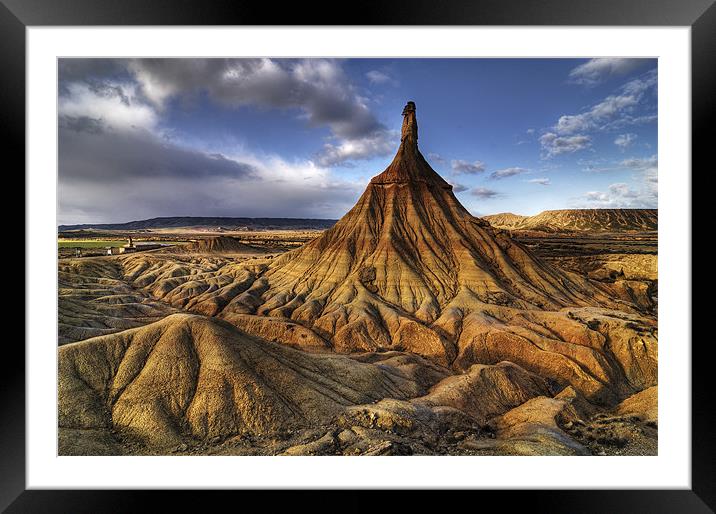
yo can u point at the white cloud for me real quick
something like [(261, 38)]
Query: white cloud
[(508, 172), (458, 188), (541, 181), (381, 143), (621, 189), (624, 141), (553, 145), (612, 112), (379, 77), (647, 169), (627, 120), (608, 108), (596, 71), (469, 168), (640, 163), (484, 193), (114, 104), (436, 157), (621, 195), (596, 196), (600, 168)]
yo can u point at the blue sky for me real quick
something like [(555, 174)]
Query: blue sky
[(301, 138)]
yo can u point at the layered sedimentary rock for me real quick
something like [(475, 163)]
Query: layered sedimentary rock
[(580, 220), (445, 322), (404, 266), (189, 375), (408, 268), (218, 244)]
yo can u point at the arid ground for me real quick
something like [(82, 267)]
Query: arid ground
[(408, 327)]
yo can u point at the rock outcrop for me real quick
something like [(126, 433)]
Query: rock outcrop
[(218, 244), (192, 376), (580, 220)]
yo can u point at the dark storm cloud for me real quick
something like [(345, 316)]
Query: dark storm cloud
[(103, 89), (81, 124), (148, 197), (94, 72), (318, 87), (108, 174), (116, 162), (92, 152), (88, 70)]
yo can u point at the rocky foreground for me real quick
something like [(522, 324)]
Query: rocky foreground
[(193, 384)]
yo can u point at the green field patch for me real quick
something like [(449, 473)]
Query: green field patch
[(79, 243), (101, 243)]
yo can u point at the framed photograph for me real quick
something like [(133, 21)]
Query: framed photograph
[(268, 250)]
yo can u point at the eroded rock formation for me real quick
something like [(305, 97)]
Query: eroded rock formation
[(445, 321), (580, 220)]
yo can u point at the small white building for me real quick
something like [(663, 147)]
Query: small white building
[(128, 248)]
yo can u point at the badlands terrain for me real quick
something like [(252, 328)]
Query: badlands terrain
[(408, 327), (580, 220)]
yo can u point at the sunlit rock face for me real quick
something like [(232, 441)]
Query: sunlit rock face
[(407, 266), (443, 322)]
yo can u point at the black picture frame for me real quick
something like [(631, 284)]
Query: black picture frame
[(17, 15)]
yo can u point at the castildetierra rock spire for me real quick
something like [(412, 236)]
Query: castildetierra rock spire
[(409, 131), (409, 165)]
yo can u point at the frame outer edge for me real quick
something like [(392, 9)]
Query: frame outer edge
[(12, 103), (387, 12), (12, 134), (703, 107)]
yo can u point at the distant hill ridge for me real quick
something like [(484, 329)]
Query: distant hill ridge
[(191, 221), (568, 220)]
